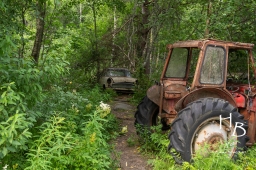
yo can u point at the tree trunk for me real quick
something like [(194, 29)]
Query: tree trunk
[(113, 38), (149, 53), (41, 7), (80, 13), (143, 31), (21, 50), (143, 28), (209, 11), (95, 42)]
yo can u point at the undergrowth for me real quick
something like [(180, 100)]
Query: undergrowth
[(71, 131), (155, 145)]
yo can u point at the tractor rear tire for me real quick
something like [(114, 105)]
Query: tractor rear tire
[(147, 115), (199, 124)]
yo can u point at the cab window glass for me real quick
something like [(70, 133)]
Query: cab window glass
[(178, 63), (213, 67)]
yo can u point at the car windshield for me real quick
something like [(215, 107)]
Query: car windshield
[(118, 73)]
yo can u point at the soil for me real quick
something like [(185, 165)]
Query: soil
[(126, 144)]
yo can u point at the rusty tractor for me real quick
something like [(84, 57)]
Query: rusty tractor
[(206, 95)]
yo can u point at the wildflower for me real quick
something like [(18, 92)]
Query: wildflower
[(15, 166), (5, 167), (88, 107), (93, 137), (104, 106), (104, 109)]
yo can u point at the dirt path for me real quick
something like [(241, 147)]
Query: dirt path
[(127, 144)]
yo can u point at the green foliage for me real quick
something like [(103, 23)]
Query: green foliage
[(72, 133), (51, 146), (30, 79), (14, 134), (156, 144), (93, 152), (10, 101), (34, 104), (247, 159), (219, 159), (14, 122), (58, 146), (144, 82), (36, 98)]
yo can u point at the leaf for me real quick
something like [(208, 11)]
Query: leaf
[(4, 151), (1, 108), (12, 149), (16, 143)]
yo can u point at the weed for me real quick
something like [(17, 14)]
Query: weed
[(131, 141), (155, 144)]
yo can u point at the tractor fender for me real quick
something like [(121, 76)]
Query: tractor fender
[(154, 94), (170, 94), (203, 93)]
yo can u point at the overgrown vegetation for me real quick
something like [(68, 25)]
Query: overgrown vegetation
[(45, 123), (52, 53), (65, 130), (156, 144)]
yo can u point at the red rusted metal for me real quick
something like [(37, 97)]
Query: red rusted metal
[(251, 129), (240, 100)]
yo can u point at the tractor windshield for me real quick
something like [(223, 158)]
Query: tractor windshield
[(212, 71), (178, 63)]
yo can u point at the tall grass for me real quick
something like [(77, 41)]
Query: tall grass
[(155, 145)]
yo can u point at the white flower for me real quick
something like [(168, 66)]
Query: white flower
[(5, 167), (104, 106), (104, 109)]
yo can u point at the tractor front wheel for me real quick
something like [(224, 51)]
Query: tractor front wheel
[(207, 122)]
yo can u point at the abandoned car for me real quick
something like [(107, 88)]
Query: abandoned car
[(118, 79)]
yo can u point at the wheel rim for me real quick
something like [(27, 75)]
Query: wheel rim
[(210, 133)]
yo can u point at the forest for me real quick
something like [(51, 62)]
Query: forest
[(52, 53)]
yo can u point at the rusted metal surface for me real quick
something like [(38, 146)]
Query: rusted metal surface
[(191, 43), (200, 43), (251, 132), (166, 64), (205, 92), (154, 94)]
